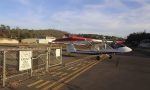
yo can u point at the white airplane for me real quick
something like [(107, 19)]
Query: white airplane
[(98, 47)]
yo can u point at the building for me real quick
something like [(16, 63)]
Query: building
[(145, 43), (29, 40), (38, 40), (50, 39), (8, 40)]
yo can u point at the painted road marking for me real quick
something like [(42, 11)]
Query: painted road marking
[(57, 74), (62, 75), (83, 64), (62, 84), (78, 60), (43, 84), (69, 68), (79, 64), (74, 68), (53, 72), (32, 84), (62, 79)]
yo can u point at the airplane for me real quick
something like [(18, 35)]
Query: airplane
[(98, 47)]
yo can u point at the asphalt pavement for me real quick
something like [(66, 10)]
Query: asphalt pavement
[(124, 72)]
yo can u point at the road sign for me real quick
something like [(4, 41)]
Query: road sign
[(25, 60), (57, 52)]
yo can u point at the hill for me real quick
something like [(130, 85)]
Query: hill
[(17, 33)]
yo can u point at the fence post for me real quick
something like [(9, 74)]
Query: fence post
[(4, 68), (61, 55), (31, 71), (49, 58), (47, 54)]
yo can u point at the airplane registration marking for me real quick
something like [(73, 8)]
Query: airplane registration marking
[(43, 84), (47, 87), (32, 84)]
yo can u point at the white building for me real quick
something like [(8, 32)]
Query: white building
[(50, 39), (29, 40), (38, 40)]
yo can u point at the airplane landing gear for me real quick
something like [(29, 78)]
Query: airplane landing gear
[(98, 57), (103, 56), (110, 56)]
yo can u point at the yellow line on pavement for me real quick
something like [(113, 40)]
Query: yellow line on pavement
[(79, 64), (62, 75), (47, 87), (53, 72), (78, 60), (34, 83), (69, 68), (62, 84), (42, 84), (57, 74), (74, 61), (75, 68)]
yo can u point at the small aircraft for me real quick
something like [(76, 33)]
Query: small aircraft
[(98, 47)]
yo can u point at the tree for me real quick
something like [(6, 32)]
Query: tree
[(135, 38)]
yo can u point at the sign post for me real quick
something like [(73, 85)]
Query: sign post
[(4, 68)]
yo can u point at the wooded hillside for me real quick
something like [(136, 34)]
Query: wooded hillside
[(17, 33)]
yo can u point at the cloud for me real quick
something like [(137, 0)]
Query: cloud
[(111, 17), (92, 19), (24, 2)]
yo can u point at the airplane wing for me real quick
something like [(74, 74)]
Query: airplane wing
[(106, 51), (94, 49), (73, 38)]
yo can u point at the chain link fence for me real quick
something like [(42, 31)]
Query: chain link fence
[(40, 60)]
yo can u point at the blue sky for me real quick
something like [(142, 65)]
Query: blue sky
[(108, 17)]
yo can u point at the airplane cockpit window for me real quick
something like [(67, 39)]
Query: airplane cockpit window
[(117, 45)]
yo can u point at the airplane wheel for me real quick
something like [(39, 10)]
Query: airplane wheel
[(98, 58), (110, 56)]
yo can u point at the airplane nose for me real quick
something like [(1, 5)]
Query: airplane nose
[(125, 49), (129, 49)]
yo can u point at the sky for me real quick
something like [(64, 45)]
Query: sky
[(107, 17)]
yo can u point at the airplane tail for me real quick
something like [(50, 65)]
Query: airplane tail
[(71, 48)]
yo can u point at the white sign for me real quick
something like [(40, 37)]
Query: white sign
[(25, 60), (57, 52)]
